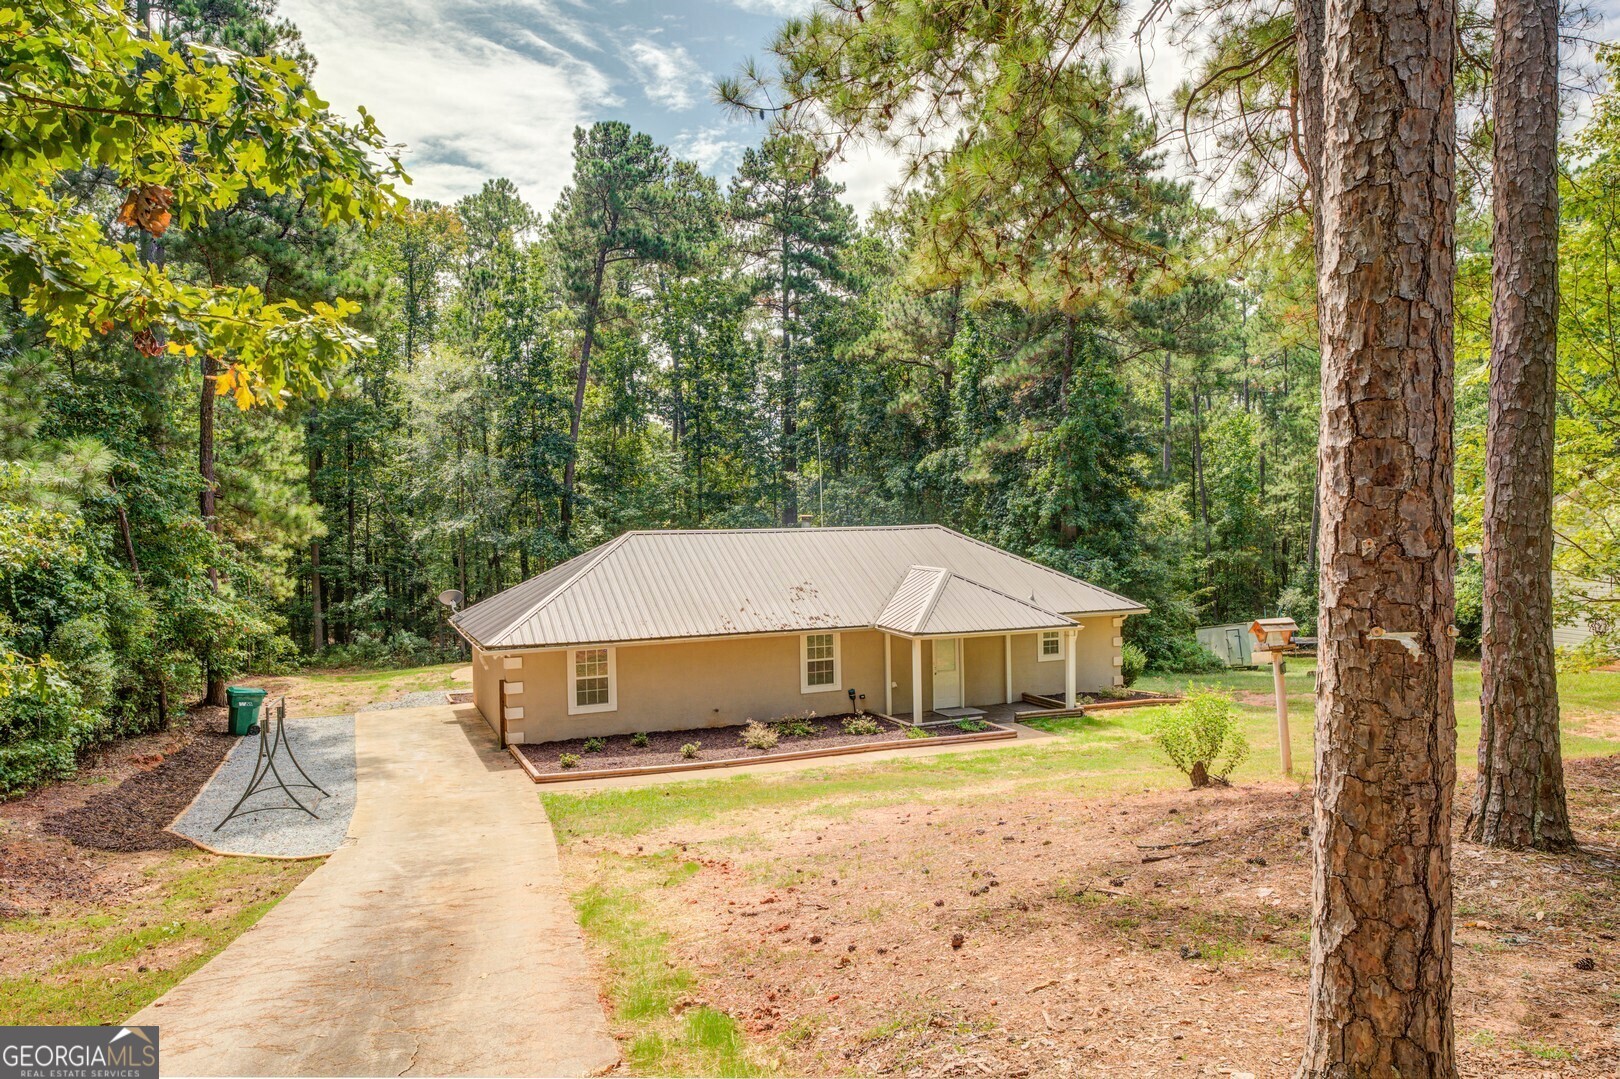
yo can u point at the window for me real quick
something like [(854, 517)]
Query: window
[(591, 681), (818, 669), (1051, 645)]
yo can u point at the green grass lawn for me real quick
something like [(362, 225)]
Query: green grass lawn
[(95, 964), (1110, 751)]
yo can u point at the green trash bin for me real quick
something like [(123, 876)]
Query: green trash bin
[(244, 703)]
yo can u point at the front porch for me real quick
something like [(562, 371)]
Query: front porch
[(975, 675), (1002, 714)]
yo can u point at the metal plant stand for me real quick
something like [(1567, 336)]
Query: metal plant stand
[(265, 768)]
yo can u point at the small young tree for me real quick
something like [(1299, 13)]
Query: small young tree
[(1202, 738)]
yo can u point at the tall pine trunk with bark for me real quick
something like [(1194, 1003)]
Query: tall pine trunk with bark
[(1380, 992), (1519, 799), (208, 503)]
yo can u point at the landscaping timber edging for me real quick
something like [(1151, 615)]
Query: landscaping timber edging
[(1140, 702), (1055, 708), (999, 733)]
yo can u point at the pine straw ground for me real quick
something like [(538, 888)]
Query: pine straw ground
[(1001, 933)]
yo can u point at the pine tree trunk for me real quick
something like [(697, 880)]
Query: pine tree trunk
[(1519, 800), (208, 503), (790, 406), (577, 416), (1168, 448), (317, 608), (1380, 992)]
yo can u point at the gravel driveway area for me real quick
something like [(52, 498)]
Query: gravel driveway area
[(325, 747)]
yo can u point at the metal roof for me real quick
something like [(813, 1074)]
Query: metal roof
[(671, 584), (934, 601)]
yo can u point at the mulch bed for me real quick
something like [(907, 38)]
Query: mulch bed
[(133, 815), (715, 744)]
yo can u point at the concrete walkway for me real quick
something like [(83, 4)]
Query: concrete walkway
[(436, 941)]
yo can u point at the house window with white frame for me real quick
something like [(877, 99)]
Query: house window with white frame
[(592, 686), (818, 669), (1051, 645)]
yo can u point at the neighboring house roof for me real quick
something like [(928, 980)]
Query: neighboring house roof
[(672, 584)]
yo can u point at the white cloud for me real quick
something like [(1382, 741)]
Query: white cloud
[(869, 173), (468, 103), (716, 150), (668, 74), (783, 8)]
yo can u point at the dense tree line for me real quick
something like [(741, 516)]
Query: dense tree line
[(217, 460), (1130, 394)]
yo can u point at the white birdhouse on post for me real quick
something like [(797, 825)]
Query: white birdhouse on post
[(1274, 639)]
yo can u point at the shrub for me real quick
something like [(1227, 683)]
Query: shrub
[(690, 750), (1134, 663), (639, 739), (1202, 737), (917, 732), (1585, 657), (757, 735), (861, 725), (594, 745), (972, 726), (1184, 655), (569, 760), (796, 726)]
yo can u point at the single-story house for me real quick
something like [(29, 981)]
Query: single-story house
[(675, 629)]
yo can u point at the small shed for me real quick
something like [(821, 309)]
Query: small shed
[(1233, 643)]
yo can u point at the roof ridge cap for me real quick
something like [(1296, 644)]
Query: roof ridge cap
[(606, 549)]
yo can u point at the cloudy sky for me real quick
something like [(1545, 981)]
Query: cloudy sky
[(480, 88)]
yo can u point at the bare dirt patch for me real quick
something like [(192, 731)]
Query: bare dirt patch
[(978, 933), (343, 692), (122, 798), (101, 910)]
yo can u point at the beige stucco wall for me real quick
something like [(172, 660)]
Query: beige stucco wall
[(696, 684), (686, 685), (1094, 667)]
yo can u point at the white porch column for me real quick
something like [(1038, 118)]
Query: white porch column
[(888, 675), (1068, 667), (916, 681), (1007, 667)]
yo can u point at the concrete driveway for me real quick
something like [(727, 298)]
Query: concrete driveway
[(436, 941)]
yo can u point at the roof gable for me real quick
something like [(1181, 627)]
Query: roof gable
[(931, 600), (673, 584)]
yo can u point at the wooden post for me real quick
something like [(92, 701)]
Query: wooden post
[(916, 681), (502, 726), (1284, 743), (888, 674)]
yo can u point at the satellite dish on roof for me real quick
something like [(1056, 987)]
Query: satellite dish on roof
[(452, 598)]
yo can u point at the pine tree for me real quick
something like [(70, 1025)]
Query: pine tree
[(791, 230)]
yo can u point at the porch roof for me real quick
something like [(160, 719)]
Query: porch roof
[(933, 601)]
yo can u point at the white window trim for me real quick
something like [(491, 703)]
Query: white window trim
[(612, 705), (804, 664), (1040, 646)]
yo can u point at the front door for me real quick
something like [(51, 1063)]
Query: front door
[(947, 673)]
